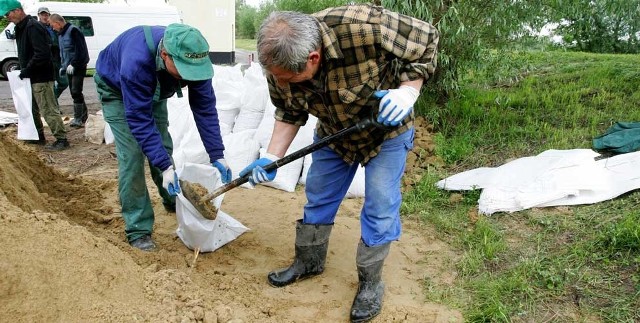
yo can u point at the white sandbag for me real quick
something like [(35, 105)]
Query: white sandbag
[(227, 85), (287, 175), (306, 163), (94, 129), (254, 99), (356, 189), (265, 128), (240, 151), (195, 231), (227, 115), (179, 115), (108, 134), (22, 96), (256, 89), (247, 120)]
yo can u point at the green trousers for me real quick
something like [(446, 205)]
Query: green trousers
[(44, 102), (132, 188)]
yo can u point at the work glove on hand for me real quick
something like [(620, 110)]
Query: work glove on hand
[(258, 174), (70, 69), (396, 104), (223, 168), (170, 181)]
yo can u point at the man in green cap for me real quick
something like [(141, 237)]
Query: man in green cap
[(135, 75), (34, 54)]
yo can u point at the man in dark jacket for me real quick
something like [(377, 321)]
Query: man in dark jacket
[(34, 54), (135, 75), (75, 57), (61, 82)]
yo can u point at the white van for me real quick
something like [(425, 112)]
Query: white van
[(100, 23)]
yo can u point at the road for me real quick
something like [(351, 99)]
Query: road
[(89, 90)]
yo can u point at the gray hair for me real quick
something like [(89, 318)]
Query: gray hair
[(57, 18), (286, 38)]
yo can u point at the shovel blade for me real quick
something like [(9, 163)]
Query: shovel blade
[(195, 193)]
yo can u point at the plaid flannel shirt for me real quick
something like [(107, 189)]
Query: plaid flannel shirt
[(365, 48)]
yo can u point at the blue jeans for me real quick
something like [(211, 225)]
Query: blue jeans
[(329, 179)]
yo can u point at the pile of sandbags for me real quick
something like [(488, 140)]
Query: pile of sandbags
[(246, 117)]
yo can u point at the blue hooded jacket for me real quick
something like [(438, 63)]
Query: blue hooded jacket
[(127, 65)]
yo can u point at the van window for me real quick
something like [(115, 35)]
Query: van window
[(83, 23)]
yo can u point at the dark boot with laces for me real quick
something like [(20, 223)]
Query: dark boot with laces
[(368, 301), (59, 144)]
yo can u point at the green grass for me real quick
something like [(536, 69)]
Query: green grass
[(569, 264), (246, 44)]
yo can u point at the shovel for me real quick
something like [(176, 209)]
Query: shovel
[(203, 201)]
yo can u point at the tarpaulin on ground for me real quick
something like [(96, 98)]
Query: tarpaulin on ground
[(552, 178)]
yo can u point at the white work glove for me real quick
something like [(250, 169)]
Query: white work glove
[(396, 104), (170, 181), (70, 69), (225, 172)]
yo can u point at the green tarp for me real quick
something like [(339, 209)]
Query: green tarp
[(622, 137)]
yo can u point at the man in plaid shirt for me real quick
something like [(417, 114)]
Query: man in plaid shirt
[(343, 65)]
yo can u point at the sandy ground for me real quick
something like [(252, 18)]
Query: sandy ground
[(64, 257)]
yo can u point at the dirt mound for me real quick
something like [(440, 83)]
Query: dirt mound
[(65, 258)]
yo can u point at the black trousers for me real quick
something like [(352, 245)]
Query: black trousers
[(76, 82)]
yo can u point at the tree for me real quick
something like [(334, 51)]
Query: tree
[(468, 30), (598, 26)]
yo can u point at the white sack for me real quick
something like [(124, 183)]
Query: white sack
[(554, 177), (7, 118), (108, 134), (194, 230), (256, 89), (287, 175), (227, 85), (22, 96), (265, 128), (356, 189), (240, 151), (187, 144), (94, 129)]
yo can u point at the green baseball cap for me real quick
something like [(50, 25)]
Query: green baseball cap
[(189, 51), (8, 5)]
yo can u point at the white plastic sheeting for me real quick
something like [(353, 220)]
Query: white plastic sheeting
[(552, 178)]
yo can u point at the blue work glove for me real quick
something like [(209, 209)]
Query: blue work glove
[(70, 69), (396, 104), (223, 168), (170, 181), (258, 174)]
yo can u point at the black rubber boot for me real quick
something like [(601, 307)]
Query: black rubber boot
[(312, 242), (368, 301), (79, 115)]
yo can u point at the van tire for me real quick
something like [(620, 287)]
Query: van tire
[(10, 65)]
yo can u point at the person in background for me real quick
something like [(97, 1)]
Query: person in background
[(34, 55), (344, 65), (75, 57), (135, 75), (61, 82)]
